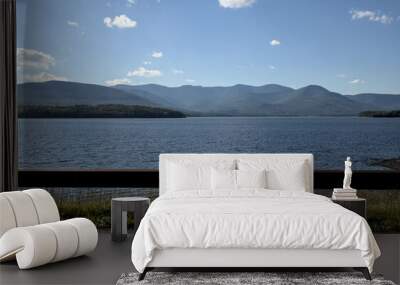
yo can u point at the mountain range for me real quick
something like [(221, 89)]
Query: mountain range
[(237, 100)]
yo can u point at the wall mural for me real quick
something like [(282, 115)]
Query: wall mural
[(111, 84)]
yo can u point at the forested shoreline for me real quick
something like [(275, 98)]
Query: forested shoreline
[(97, 111)]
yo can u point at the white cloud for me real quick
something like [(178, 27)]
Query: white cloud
[(143, 72), (272, 67), (32, 66), (121, 22), (357, 81), (73, 24), (341, 75), (275, 42), (130, 3), (177, 71), (371, 16), (146, 62), (235, 4), (190, 80), (30, 58), (41, 77), (157, 54), (118, 81)]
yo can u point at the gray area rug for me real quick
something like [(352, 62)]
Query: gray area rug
[(228, 278)]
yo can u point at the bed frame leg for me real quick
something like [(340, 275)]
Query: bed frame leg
[(364, 271), (142, 275)]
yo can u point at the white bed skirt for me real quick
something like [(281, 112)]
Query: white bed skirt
[(189, 257)]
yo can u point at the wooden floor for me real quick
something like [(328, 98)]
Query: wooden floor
[(111, 259), (103, 266)]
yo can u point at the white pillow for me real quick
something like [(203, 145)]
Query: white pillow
[(226, 179), (282, 174), (251, 178), (223, 179), (188, 175)]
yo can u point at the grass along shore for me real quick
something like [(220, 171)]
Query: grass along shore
[(383, 210)]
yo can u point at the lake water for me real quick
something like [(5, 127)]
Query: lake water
[(136, 143)]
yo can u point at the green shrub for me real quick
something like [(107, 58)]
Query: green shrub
[(99, 212), (383, 210)]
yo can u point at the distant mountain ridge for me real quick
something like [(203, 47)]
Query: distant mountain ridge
[(237, 100), (64, 93), (265, 100), (211, 99), (382, 100)]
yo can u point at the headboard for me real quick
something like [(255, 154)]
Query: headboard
[(164, 158)]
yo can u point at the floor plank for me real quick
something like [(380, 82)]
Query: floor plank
[(111, 259), (103, 266)]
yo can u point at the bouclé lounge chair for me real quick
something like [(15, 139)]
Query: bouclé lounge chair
[(31, 231)]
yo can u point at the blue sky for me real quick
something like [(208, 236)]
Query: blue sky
[(346, 46)]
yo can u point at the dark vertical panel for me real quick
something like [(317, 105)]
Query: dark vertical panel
[(8, 108)]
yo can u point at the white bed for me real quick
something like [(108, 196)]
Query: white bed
[(248, 227)]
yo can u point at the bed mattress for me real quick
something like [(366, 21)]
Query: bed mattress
[(251, 219)]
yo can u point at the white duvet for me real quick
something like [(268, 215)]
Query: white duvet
[(250, 219)]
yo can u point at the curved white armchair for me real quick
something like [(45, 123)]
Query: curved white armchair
[(31, 230)]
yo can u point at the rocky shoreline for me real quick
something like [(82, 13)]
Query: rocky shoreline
[(392, 163)]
